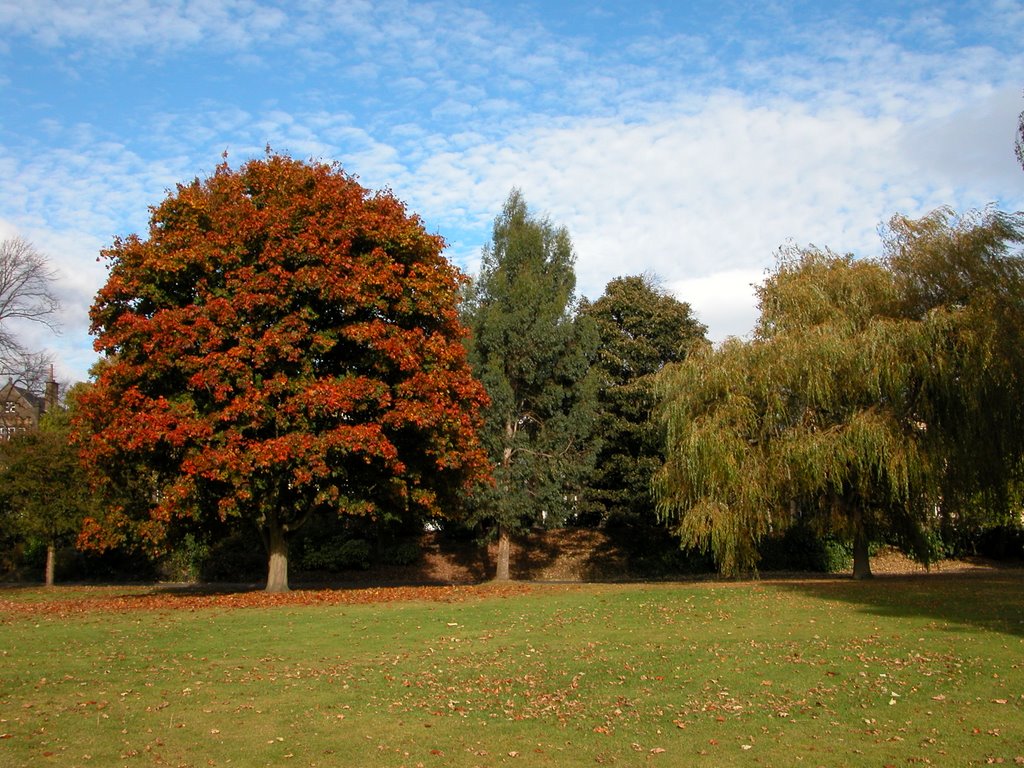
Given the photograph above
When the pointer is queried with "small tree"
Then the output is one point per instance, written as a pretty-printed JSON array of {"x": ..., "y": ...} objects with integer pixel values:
[
  {"x": 44, "y": 487},
  {"x": 533, "y": 356},
  {"x": 284, "y": 344}
]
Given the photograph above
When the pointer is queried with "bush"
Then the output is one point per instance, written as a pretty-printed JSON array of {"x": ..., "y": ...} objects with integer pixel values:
[
  {"x": 836, "y": 556},
  {"x": 238, "y": 556},
  {"x": 1002, "y": 542},
  {"x": 187, "y": 560},
  {"x": 401, "y": 553},
  {"x": 654, "y": 552},
  {"x": 112, "y": 565},
  {"x": 338, "y": 554},
  {"x": 800, "y": 548},
  {"x": 671, "y": 561}
]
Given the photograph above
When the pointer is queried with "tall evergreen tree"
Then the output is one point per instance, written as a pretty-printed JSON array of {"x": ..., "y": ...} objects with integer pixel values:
[
  {"x": 533, "y": 356},
  {"x": 641, "y": 328}
]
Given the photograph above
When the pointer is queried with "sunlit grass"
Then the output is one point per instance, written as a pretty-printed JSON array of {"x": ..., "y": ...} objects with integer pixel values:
[{"x": 893, "y": 672}]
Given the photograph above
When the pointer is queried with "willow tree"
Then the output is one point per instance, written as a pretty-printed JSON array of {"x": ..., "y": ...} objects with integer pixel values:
[
  {"x": 854, "y": 396},
  {"x": 533, "y": 355},
  {"x": 963, "y": 280}
]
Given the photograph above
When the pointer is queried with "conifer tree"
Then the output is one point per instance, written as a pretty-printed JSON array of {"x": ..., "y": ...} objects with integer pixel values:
[
  {"x": 533, "y": 356},
  {"x": 641, "y": 328}
]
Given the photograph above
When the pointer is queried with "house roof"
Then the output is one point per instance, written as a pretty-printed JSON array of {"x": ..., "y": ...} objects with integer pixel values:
[{"x": 11, "y": 391}]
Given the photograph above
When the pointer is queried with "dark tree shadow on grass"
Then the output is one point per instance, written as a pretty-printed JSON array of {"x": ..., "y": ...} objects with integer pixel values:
[{"x": 990, "y": 599}]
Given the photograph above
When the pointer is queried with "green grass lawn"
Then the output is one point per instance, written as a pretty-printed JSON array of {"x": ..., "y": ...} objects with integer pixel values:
[{"x": 898, "y": 671}]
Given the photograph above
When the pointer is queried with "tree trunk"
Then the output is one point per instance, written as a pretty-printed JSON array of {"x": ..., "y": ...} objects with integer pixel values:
[
  {"x": 51, "y": 564},
  {"x": 502, "y": 572},
  {"x": 861, "y": 557},
  {"x": 504, "y": 550},
  {"x": 277, "y": 562}
]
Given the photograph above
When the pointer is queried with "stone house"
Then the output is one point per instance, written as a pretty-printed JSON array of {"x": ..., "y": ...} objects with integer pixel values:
[{"x": 20, "y": 409}]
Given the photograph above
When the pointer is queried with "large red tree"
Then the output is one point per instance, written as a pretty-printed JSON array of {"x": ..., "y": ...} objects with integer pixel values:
[{"x": 285, "y": 343}]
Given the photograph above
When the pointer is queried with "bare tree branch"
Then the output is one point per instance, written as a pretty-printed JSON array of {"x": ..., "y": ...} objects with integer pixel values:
[
  {"x": 29, "y": 369},
  {"x": 26, "y": 293}
]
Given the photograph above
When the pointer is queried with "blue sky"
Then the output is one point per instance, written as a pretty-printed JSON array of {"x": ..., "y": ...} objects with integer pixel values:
[{"x": 685, "y": 139}]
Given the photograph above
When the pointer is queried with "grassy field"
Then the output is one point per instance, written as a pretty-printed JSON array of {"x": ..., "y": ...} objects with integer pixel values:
[{"x": 898, "y": 671}]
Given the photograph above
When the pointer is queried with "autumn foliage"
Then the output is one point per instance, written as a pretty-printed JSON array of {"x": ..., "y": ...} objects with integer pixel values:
[{"x": 285, "y": 343}]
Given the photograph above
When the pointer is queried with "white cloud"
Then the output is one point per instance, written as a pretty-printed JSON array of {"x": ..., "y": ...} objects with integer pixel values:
[
  {"x": 684, "y": 195},
  {"x": 974, "y": 141},
  {"x": 660, "y": 154},
  {"x": 724, "y": 301},
  {"x": 118, "y": 25}
]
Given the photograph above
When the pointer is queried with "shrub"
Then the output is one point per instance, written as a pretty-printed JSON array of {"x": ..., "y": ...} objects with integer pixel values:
[
  {"x": 338, "y": 554},
  {"x": 800, "y": 548},
  {"x": 836, "y": 556},
  {"x": 1002, "y": 542},
  {"x": 187, "y": 560},
  {"x": 401, "y": 553},
  {"x": 671, "y": 562},
  {"x": 238, "y": 556}
]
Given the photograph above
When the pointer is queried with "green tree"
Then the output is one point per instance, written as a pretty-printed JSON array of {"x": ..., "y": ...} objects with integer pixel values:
[
  {"x": 641, "y": 328},
  {"x": 857, "y": 398},
  {"x": 284, "y": 344},
  {"x": 44, "y": 488},
  {"x": 533, "y": 355},
  {"x": 962, "y": 279}
]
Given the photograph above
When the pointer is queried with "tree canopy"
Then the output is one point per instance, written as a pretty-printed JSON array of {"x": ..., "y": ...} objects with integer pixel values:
[
  {"x": 640, "y": 328},
  {"x": 533, "y": 356},
  {"x": 283, "y": 344},
  {"x": 874, "y": 395}
]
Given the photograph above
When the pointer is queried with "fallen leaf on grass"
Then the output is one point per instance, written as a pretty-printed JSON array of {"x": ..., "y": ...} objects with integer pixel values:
[{"x": 99, "y": 599}]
